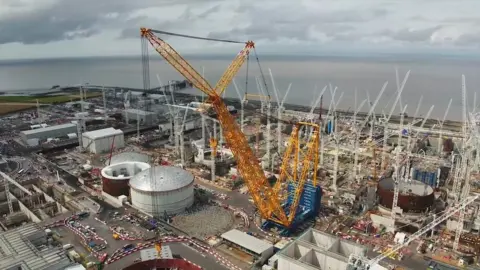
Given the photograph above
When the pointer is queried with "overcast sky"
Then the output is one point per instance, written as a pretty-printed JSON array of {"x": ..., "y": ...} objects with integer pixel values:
[{"x": 64, "y": 28}]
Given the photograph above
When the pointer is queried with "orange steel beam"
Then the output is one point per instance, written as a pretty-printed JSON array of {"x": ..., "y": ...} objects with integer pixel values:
[
  {"x": 310, "y": 162},
  {"x": 264, "y": 197}
]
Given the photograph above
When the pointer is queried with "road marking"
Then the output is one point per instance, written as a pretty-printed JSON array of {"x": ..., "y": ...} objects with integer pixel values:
[{"x": 201, "y": 253}]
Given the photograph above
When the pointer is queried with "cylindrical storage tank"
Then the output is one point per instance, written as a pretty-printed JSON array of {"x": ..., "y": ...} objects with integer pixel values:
[
  {"x": 413, "y": 196},
  {"x": 162, "y": 188},
  {"x": 448, "y": 145},
  {"x": 115, "y": 177},
  {"x": 128, "y": 157}
]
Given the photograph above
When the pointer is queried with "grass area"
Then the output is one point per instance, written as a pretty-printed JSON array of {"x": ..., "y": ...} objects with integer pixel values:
[
  {"x": 11, "y": 108},
  {"x": 12, "y": 104},
  {"x": 45, "y": 99}
]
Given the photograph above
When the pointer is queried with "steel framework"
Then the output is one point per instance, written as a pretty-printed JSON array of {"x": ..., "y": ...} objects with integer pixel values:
[{"x": 264, "y": 196}]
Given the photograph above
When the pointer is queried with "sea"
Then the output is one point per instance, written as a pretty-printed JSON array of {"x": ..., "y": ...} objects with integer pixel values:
[{"x": 437, "y": 79}]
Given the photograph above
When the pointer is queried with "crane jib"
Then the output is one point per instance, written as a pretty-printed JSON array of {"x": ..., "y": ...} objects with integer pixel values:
[{"x": 265, "y": 197}]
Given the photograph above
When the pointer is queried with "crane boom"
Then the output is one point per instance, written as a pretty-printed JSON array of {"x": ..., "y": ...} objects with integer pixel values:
[
  {"x": 174, "y": 59},
  {"x": 290, "y": 170},
  {"x": 233, "y": 69},
  {"x": 265, "y": 198}
]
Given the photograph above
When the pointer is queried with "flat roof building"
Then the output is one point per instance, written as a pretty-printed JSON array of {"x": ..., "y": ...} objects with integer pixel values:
[
  {"x": 152, "y": 254},
  {"x": 145, "y": 117},
  {"x": 100, "y": 141},
  {"x": 48, "y": 132},
  {"x": 26, "y": 248},
  {"x": 260, "y": 248},
  {"x": 318, "y": 250}
]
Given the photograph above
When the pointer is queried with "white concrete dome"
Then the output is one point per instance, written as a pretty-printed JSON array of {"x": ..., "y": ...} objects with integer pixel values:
[{"x": 162, "y": 188}]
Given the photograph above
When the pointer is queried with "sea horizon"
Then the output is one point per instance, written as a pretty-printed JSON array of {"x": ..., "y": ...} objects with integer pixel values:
[{"x": 436, "y": 78}]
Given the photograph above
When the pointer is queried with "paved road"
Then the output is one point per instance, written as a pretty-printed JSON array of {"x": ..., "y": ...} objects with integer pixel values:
[
  {"x": 203, "y": 260},
  {"x": 207, "y": 262},
  {"x": 235, "y": 198}
]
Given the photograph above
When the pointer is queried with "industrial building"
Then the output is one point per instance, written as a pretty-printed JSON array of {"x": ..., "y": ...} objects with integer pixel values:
[
  {"x": 101, "y": 141},
  {"x": 78, "y": 104},
  {"x": 115, "y": 177},
  {"x": 48, "y": 132},
  {"x": 145, "y": 117},
  {"x": 153, "y": 254},
  {"x": 318, "y": 250},
  {"x": 26, "y": 247},
  {"x": 127, "y": 157},
  {"x": 190, "y": 124},
  {"x": 261, "y": 249},
  {"x": 162, "y": 189}
]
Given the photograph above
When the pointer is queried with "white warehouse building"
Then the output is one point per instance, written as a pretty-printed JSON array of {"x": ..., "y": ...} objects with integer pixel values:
[
  {"x": 100, "y": 141},
  {"x": 48, "y": 132},
  {"x": 261, "y": 249}
]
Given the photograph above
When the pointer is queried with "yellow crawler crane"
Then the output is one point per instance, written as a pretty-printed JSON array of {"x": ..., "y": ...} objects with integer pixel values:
[{"x": 265, "y": 198}]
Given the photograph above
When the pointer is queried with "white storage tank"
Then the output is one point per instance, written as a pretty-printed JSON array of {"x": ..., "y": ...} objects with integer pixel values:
[{"x": 162, "y": 188}]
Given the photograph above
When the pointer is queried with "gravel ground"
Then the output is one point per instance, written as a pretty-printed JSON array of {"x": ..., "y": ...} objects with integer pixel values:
[{"x": 205, "y": 221}]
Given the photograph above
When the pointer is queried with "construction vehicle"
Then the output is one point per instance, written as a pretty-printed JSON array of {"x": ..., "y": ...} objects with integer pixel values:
[
  {"x": 158, "y": 248},
  {"x": 297, "y": 206}
]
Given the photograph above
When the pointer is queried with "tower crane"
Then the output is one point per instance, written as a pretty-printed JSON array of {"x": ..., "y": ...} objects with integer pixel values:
[
  {"x": 398, "y": 175},
  {"x": 387, "y": 119},
  {"x": 213, "y": 135},
  {"x": 264, "y": 196},
  {"x": 465, "y": 167}
]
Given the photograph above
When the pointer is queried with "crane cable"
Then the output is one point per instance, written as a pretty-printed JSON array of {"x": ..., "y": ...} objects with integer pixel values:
[
  {"x": 248, "y": 58},
  {"x": 196, "y": 37}
]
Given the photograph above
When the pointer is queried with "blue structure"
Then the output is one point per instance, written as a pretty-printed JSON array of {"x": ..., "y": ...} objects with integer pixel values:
[
  {"x": 426, "y": 177},
  {"x": 330, "y": 126},
  {"x": 308, "y": 207}
]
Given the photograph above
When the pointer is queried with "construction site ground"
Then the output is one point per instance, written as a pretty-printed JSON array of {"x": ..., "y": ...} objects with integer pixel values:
[{"x": 239, "y": 256}]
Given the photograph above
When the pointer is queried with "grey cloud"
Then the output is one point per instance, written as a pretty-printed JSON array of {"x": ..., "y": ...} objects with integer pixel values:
[
  {"x": 409, "y": 35},
  {"x": 469, "y": 39},
  {"x": 185, "y": 18},
  {"x": 134, "y": 24},
  {"x": 285, "y": 23},
  {"x": 70, "y": 19},
  {"x": 208, "y": 12}
]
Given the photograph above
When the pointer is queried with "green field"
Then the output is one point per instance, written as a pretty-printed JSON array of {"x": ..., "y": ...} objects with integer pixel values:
[{"x": 45, "y": 99}]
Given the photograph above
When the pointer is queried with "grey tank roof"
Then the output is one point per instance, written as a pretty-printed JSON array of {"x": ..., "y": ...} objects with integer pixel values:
[
  {"x": 128, "y": 157},
  {"x": 161, "y": 179}
]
